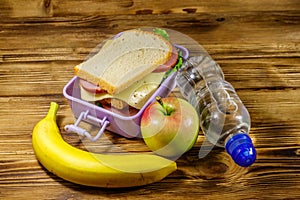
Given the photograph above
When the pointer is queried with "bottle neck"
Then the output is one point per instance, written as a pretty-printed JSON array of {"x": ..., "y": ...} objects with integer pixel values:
[{"x": 223, "y": 139}]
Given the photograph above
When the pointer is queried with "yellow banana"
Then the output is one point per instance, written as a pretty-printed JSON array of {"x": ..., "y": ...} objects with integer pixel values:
[{"x": 91, "y": 169}]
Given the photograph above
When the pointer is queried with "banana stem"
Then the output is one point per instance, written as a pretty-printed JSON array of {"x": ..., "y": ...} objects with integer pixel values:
[{"x": 52, "y": 111}]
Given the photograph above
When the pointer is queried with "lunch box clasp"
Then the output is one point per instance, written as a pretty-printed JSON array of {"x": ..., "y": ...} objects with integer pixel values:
[{"x": 82, "y": 132}]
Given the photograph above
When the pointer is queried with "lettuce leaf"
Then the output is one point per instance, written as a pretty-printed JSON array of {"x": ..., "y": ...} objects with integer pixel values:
[{"x": 162, "y": 33}]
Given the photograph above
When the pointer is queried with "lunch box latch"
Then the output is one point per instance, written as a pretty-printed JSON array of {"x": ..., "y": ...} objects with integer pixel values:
[{"x": 74, "y": 128}]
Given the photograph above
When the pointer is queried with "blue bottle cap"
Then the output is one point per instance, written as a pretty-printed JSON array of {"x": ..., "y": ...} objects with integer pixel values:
[{"x": 241, "y": 149}]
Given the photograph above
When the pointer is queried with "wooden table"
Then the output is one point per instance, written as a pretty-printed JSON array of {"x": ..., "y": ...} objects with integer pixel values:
[{"x": 257, "y": 44}]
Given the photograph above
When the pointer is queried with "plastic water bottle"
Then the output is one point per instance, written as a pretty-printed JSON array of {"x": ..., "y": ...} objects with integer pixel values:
[{"x": 224, "y": 119}]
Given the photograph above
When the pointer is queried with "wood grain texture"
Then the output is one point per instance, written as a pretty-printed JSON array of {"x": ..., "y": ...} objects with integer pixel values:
[{"x": 257, "y": 44}]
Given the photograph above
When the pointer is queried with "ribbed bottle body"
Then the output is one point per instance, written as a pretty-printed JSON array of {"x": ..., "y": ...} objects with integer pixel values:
[{"x": 221, "y": 112}]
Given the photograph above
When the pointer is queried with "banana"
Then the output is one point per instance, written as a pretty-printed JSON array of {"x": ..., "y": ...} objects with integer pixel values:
[{"x": 92, "y": 169}]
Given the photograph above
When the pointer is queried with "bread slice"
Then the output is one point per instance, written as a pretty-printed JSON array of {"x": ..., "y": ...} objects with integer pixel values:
[{"x": 125, "y": 60}]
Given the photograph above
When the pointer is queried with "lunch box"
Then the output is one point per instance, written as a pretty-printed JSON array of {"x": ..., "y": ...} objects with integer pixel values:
[{"x": 122, "y": 124}]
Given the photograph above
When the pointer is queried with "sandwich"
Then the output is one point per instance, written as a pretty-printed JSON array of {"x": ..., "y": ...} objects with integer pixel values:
[{"x": 128, "y": 69}]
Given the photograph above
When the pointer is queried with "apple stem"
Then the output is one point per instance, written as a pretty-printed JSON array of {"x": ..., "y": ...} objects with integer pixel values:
[
  {"x": 167, "y": 110},
  {"x": 158, "y": 99}
]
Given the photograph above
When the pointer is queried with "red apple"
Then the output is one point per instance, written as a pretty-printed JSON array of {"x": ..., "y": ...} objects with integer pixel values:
[{"x": 170, "y": 126}]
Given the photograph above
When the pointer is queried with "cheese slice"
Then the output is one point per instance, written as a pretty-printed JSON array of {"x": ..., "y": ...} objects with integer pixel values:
[{"x": 135, "y": 95}]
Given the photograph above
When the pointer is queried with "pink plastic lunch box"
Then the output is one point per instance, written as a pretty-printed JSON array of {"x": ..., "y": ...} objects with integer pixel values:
[{"x": 125, "y": 125}]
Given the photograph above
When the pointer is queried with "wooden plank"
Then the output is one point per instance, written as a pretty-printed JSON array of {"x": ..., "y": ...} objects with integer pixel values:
[
  {"x": 19, "y": 79},
  {"x": 277, "y": 29},
  {"x": 50, "y": 8},
  {"x": 67, "y": 38}
]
